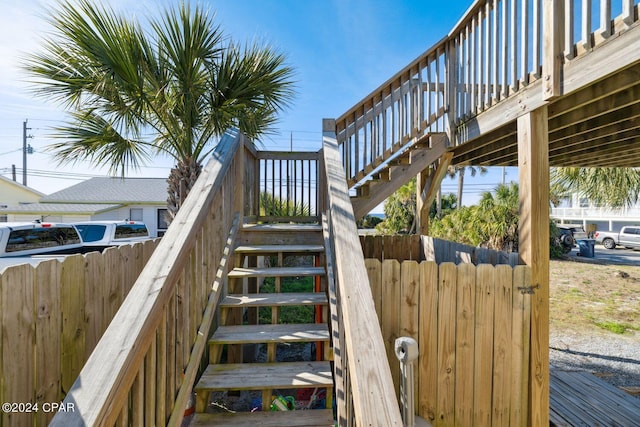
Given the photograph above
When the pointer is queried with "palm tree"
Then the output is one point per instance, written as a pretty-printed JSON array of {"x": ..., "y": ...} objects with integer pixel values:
[
  {"x": 612, "y": 187},
  {"x": 460, "y": 171},
  {"x": 174, "y": 90}
]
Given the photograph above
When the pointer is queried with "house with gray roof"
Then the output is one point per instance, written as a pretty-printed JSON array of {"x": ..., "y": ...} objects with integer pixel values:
[{"x": 104, "y": 198}]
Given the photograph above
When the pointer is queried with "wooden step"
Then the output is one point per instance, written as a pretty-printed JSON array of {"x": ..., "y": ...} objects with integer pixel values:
[
  {"x": 274, "y": 299},
  {"x": 260, "y": 376},
  {"x": 286, "y": 249},
  {"x": 241, "y": 272},
  {"x": 300, "y": 418},
  {"x": 253, "y": 334},
  {"x": 280, "y": 234},
  {"x": 282, "y": 228}
]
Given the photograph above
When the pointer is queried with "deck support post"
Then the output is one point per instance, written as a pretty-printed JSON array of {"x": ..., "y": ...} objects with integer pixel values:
[
  {"x": 427, "y": 185},
  {"x": 533, "y": 163}
]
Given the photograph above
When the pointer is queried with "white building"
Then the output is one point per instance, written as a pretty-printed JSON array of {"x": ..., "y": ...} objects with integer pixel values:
[
  {"x": 576, "y": 210},
  {"x": 136, "y": 199}
]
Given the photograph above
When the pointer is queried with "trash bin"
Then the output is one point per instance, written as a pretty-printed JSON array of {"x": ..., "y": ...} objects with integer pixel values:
[{"x": 586, "y": 247}]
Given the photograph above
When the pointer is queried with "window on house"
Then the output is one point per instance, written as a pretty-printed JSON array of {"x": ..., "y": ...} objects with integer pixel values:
[
  {"x": 135, "y": 214},
  {"x": 584, "y": 202}
]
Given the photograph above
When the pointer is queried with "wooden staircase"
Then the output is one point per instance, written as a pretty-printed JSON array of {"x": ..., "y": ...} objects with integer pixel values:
[
  {"x": 398, "y": 171},
  {"x": 295, "y": 253}
]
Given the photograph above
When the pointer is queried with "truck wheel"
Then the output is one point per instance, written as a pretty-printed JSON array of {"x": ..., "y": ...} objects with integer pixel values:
[{"x": 609, "y": 244}]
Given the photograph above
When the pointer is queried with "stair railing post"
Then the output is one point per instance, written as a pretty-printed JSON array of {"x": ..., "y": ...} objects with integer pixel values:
[{"x": 406, "y": 349}]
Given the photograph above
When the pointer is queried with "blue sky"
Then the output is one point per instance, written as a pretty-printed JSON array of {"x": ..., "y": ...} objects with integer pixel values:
[{"x": 341, "y": 50}]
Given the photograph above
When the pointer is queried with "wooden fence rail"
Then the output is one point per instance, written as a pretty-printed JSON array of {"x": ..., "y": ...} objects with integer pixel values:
[
  {"x": 421, "y": 248},
  {"x": 137, "y": 373},
  {"x": 472, "y": 325},
  {"x": 53, "y": 315},
  {"x": 364, "y": 395}
]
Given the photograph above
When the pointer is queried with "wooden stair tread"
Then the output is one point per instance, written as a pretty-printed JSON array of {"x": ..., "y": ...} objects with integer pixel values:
[
  {"x": 282, "y": 227},
  {"x": 240, "y": 272},
  {"x": 300, "y": 418},
  {"x": 274, "y": 299},
  {"x": 264, "y": 249},
  {"x": 259, "y": 376},
  {"x": 250, "y": 334}
]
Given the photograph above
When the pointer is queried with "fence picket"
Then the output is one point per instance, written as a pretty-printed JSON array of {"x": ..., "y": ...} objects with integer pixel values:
[
  {"x": 465, "y": 343},
  {"x": 94, "y": 296},
  {"x": 73, "y": 324},
  {"x": 48, "y": 326},
  {"x": 502, "y": 350},
  {"x": 520, "y": 346},
  {"x": 428, "y": 340},
  {"x": 390, "y": 314},
  {"x": 485, "y": 297},
  {"x": 52, "y": 316},
  {"x": 18, "y": 331},
  {"x": 409, "y": 314},
  {"x": 447, "y": 280}
]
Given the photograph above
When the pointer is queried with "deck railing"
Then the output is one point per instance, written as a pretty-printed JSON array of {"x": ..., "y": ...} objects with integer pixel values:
[
  {"x": 143, "y": 367},
  {"x": 287, "y": 183},
  {"x": 496, "y": 50},
  {"x": 365, "y": 395}
]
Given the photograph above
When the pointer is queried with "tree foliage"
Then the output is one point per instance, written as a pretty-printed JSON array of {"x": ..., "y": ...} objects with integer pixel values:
[
  {"x": 174, "y": 89},
  {"x": 400, "y": 211},
  {"x": 611, "y": 187}
]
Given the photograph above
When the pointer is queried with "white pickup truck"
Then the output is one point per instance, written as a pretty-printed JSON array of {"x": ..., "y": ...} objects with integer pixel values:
[
  {"x": 98, "y": 235},
  {"x": 629, "y": 237},
  {"x": 33, "y": 242}
]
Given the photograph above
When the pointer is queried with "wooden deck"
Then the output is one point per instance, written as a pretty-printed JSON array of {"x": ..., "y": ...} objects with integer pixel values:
[{"x": 582, "y": 399}]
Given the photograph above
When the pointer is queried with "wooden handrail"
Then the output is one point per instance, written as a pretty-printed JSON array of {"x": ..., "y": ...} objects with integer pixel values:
[
  {"x": 369, "y": 384},
  {"x": 496, "y": 50},
  {"x": 99, "y": 395}
]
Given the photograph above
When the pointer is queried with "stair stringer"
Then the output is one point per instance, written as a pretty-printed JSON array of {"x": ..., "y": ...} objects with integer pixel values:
[{"x": 419, "y": 160}]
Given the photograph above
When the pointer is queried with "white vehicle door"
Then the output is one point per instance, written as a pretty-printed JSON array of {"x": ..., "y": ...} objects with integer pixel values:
[{"x": 631, "y": 237}]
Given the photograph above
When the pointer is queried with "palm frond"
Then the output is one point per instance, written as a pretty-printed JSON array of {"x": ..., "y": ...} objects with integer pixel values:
[{"x": 91, "y": 137}]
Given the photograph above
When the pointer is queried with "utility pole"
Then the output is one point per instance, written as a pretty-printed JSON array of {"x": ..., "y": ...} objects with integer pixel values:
[{"x": 26, "y": 149}]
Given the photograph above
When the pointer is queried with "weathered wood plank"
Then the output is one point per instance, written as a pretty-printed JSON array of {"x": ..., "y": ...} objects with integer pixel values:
[
  {"x": 465, "y": 343},
  {"x": 313, "y": 418},
  {"x": 275, "y": 375},
  {"x": 391, "y": 315},
  {"x": 484, "y": 332},
  {"x": 248, "y": 334},
  {"x": 409, "y": 312},
  {"x": 73, "y": 318},
  {"x": 95, "y": 292},
  {"x": 369, "y": 374},
  {"x": 502, "y": 350},
  {"x": 533, "y": 230},
  {"x": 521, "y": 326},
  {"x": 18, "y": 333},
  {"x": 428, "y": 359},
  {"x": 47, "y": 334},
  {"x": 374, "y": 273},
  {"x": 447, "y": 287}
]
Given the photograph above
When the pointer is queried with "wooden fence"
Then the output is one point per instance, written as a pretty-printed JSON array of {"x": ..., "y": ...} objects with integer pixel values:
[
  {"x": 421, "y": 248},
  {"x": 472, "y": 325},
  {"x": 52, "y": 316}
]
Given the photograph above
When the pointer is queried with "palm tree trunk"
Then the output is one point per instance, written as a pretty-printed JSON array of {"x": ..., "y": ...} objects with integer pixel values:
[{"x": 181, "y": 180}]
